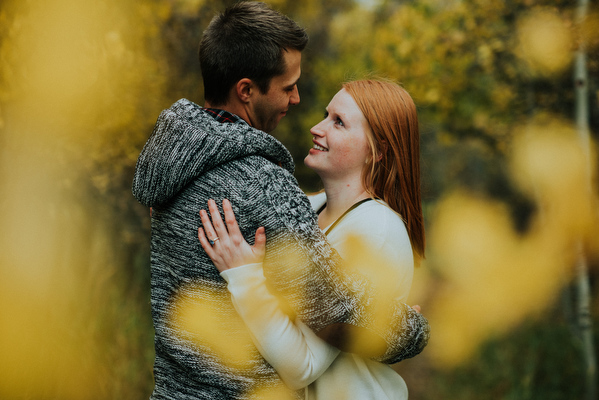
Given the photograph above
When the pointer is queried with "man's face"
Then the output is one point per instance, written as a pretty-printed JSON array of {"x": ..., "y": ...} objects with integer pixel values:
[{"x": 267, "y": 109}]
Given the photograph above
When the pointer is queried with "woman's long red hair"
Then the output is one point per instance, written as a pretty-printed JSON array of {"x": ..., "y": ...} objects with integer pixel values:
[{"x": 393, "y": 172}]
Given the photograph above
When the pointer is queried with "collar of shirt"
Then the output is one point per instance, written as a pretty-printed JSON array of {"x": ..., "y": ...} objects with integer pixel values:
[{"x": 222, "y": 116}]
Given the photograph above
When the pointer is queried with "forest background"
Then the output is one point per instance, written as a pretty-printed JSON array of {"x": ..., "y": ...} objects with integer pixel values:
[{"x": 508, "y": 98}]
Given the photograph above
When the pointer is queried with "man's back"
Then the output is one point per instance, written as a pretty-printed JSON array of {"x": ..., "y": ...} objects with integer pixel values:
[
  {"x": 199, "y": 335},
  {"x": 192, "y": 162}
]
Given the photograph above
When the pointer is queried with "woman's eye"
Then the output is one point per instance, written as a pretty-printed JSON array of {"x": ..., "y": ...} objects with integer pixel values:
[{"x": 338, "y": 120}]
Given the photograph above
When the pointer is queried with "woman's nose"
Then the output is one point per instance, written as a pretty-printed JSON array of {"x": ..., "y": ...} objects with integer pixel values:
[{"x": 317, "y": 130}]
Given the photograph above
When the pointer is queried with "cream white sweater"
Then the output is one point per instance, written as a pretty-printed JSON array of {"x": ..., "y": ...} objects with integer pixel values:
[{"x": 297, "y": 354}]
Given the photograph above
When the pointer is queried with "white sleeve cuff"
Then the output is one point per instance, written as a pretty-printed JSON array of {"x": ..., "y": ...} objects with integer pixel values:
[{"x": 238, "y": 274}]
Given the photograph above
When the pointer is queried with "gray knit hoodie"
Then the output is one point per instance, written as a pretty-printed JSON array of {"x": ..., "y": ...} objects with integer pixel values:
[{"x": 190, "y": 158}]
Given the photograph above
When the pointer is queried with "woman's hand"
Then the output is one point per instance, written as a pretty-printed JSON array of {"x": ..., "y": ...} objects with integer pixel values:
[{"x": 224, "y": 243}]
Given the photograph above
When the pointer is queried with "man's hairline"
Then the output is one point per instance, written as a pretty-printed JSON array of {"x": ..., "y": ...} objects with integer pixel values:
[{"x": 287, "y": 49}]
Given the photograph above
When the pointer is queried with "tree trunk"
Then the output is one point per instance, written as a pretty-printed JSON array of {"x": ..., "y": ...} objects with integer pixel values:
[{"x": 585, "y": 322}]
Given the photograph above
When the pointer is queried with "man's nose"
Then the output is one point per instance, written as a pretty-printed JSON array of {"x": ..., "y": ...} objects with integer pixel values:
[{"x": 295, "y": 97}]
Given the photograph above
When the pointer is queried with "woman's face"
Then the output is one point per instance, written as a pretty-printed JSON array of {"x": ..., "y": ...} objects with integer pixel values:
[{"x": 340, "y": 147}]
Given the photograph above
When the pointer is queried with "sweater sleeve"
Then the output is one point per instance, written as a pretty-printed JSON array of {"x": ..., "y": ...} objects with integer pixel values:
[
  {"x": 294, "y": 351},
  {"x": 305, "y": 271}
]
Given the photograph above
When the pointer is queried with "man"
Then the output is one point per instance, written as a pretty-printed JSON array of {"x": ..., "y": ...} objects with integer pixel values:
[{"x": 250, "y": 58}]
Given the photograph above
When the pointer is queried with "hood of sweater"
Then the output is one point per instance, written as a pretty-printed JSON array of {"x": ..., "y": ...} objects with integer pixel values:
[{"x": 187, "y": 142}]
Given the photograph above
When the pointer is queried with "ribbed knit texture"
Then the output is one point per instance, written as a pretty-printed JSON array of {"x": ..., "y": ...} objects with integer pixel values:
[{"x": 191, "y": 158}]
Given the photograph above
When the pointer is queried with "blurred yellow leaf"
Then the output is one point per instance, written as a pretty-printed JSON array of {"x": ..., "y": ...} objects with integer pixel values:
[
  {"x": 544, "y": 41},
  {"x": 493, "y": 278},
  {"x": 211, "y": 321}
]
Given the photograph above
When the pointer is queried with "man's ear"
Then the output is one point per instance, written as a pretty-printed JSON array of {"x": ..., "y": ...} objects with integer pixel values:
[{"x": 244, "y": 89}]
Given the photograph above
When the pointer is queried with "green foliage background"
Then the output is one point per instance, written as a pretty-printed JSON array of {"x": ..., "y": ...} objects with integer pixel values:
[{"x": 75, "y": 117}]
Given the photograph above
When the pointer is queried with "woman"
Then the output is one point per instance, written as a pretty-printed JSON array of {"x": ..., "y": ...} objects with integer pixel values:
[{"x": 366, "y": 152}]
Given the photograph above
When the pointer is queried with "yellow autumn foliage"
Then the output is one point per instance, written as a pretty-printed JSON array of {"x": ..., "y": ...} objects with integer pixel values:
[
  {"x": 211, "y": 322},
  {"x": 544, "y": 41},
  {"x": 494, "y": 277}
]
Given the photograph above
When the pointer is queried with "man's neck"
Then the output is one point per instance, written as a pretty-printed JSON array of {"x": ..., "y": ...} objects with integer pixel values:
[{"x": 232, "y": 108}]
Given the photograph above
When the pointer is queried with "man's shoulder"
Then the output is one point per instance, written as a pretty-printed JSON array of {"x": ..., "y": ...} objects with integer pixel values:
[
  {"x": 254, "y": 175},
  {"x": 257, "y": 166}
]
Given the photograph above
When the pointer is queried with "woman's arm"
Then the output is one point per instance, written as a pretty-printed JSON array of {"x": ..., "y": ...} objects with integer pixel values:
[
  {"x": 296, "y": 353},
  {"x": 309, "y": 275}
]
